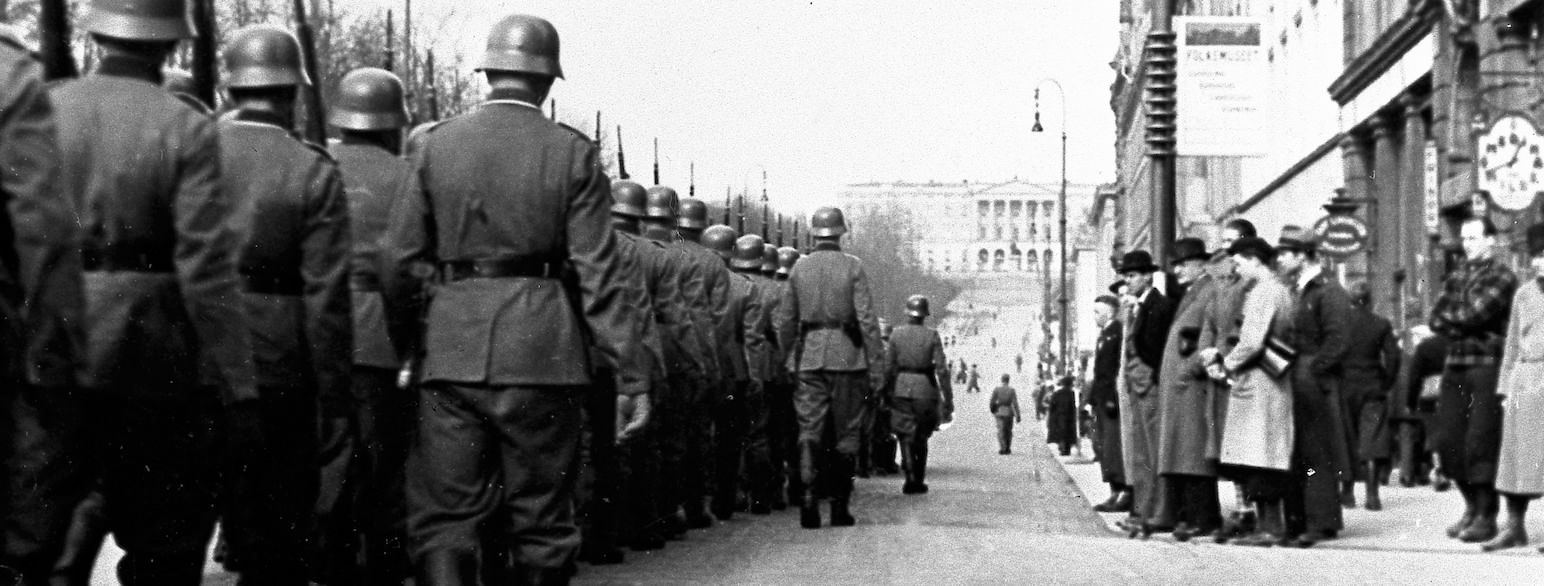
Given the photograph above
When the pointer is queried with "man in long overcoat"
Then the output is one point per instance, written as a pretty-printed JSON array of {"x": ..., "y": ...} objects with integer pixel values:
[{"x": 1185, "y": 402}]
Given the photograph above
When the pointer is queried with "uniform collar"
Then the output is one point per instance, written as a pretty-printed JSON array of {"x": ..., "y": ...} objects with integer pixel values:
[
  {"x": 260, "y": 117},
  {"x": 837, "y": 246},
  {"x": 129, "y": 67},
  {"x": 507, "y": 97}
]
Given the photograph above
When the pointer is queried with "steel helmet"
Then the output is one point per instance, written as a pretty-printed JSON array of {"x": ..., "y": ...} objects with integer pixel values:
[
  {"x": 139, "y": 20},
  {"x": 786, "y": 257},
  {"x": 916, "y": 306},
  {"x": 522, "y": 43},
  {"x": 628, "y": 199},
  {"x": 662, "y": 204},
  {"x": 721, "y": 240},
  {"x": 264, "y": 55},
  {"x": 768, "y": 258},
  {"x": 693, "y": 214},
  {"x": 749, "y": 252},
  {"x": 827, "y": 222},
  {"x": 369, "y": 99}
]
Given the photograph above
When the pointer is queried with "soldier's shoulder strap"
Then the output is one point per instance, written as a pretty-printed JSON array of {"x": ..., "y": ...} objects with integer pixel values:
[{"x": 320, "y": 150}]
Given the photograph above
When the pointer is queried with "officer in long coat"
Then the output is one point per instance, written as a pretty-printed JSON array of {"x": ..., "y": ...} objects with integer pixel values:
[
  {"x": 1185, "y": 403},
  {"x": 714, "y": 321},
  {"x": 923, "y": 396},
  {"x": 514, "y": 215},
  {"x": 295, "y": 272},
  {"x": 42, "y": 344},
  {"x": 167, "y": 340},
  {"x": 827, "y": 321},
  {"x": 364, "y": 441}
]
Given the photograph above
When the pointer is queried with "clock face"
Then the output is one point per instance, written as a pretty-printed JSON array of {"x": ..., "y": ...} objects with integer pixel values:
[{"x": 1511, "y": 162}]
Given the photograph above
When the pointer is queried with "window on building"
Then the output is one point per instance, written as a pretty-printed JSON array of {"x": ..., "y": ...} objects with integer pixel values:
[
  {"x": 1015, "y": 233},
  {"x": 1014, "y": 208}
]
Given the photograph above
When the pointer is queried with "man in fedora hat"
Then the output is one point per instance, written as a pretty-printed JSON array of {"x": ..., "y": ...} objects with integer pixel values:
[
  {"x": 1148, "y": 313},
  {"x": 1313, "y": 502},
  {"x": 1189, "y": 478}
]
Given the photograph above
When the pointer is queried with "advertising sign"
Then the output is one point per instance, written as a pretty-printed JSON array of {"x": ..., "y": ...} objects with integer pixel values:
[
  {"x": 1341, "y": 235},
  {"x": 1220, "y": 86}
]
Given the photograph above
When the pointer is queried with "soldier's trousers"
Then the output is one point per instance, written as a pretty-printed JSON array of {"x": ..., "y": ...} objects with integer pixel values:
[
  {"x": 830, "y": 406},
  {"x": 160, "y": 475},
  {"x": 361, "y": 507},
  {"x": 670, "y": 435},
  {"x": 492, "y": 474},
  {"x": 783, "y": 437},
  {"x": 697, "y": 459},
  {"x": 270, "y": 509},
  {"x": 601, "y": 478},
  {"x": 730, "y": 419},
  {"x": 47, "y": 474},
  {"x": 638, "y": 466},
  {"x": 758, "y": 447}
]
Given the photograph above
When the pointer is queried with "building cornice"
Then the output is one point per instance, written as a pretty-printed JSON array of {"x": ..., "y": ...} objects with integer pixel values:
[
  {"x": 1292, "y": 172},
  {"x": 1384, "y": 52}
]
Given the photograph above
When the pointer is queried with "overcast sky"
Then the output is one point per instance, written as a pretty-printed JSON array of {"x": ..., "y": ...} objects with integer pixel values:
[{"x": 825, "y": 93}]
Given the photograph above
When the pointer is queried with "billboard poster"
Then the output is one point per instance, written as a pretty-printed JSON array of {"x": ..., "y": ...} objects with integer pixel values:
[{"x": 1220, "y": 86}]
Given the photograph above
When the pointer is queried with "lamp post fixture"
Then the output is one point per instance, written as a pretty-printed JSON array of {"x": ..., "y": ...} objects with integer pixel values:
[{"x": 1061, "y": 204}]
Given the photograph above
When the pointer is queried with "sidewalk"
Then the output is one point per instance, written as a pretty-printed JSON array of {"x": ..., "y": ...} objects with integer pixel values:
[{"x": 1412, "y": 519}]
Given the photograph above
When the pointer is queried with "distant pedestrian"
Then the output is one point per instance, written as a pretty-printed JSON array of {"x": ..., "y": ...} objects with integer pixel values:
[
  {"x": 973, "y": 381},
  {"x": 1018, "y": 363},
  {"x": 1005, "y": 407},
  {"x": 1061, "y": 417}
]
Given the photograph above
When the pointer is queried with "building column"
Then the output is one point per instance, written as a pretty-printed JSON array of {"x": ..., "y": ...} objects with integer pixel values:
[
  {"x": 1358, "y": 188},
  {"x": 1412, "y": 233},
  {"x": 1386, "y": 208}
]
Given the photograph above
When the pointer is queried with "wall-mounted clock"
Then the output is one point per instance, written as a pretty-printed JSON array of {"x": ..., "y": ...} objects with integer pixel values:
[{"x": 1511, "y": 164}]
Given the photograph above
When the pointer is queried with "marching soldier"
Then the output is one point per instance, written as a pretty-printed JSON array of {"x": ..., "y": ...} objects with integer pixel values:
[
  {"x": 923, "y": 395},
  {"x": 783, "y": 423},
  {"x": 827, "y": 320},
  {"x": 639, "y": 446},
  {"x": 167, "y": 344},
  {"x": 881, "y": 438},
  {"x": 514, "y": 215},
  {"x": 743, "y": 325},
  {"x": 42, "y": 346},
  {"x": 687, "y": 375},
  {"x": 777, "y": 448},
  {"x": 365, "y": 435},
  {"x": 748, "y": 263},
  {"x": 768, "y": 260},
  {"x": 295, "y": 271},
  {"x": 602, "y": 482},
  {"x": 692, "y": 219}
]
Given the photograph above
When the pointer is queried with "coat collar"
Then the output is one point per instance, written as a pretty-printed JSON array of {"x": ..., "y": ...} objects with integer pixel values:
[{"x": 131, "y": 68}]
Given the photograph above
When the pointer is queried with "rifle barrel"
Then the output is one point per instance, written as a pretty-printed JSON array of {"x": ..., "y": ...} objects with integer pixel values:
[
  {"x": 621, "y": 158},
  {"x": 204, "y": 66},
  {"x": 316, "y": 131},
  {"x": 54, "y": 40}
]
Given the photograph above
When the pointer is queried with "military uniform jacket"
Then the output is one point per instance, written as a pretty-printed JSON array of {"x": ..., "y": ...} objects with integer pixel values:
[
  {"x": 503, "y": 182},
  {"x": 696, "y": 302},
  {"x": 829, "y": 287},
  {"x": 296, "y": 258},
  {"x": 373, "y": 180},
  {"x": 771, "y": 294},
  {"x": 748, "y": 325},
  {"x": 716, "y": 323},
  {"x": 641, "y": 280},
  {"x": 683, "y": 346},
  {"x": 158, "y": 243},
  {"x": 918, "y": 369},
  {"x": 41, "y": 292}
]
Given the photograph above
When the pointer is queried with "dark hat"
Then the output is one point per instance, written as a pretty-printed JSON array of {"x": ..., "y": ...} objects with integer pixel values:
[
  {"x": 1255, "y": 247},
  {"x": 1190, "y": 249},
  {"x": 1295, "y": 239},
  {"x": 1535, "y": 239},
  {"x": 1137, "y": 261},
  {"x": 1115, "y": 287}
]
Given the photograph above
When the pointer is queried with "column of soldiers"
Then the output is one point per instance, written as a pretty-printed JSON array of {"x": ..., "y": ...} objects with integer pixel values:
[{"x": 391, "y": 359}]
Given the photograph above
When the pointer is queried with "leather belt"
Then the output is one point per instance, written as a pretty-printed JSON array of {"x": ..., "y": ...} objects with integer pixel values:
[
  {"x": 364, "y": 282},
  {"x": 139, "y": 262},
  {"x": 290, "y": 285},
  {"x": 500, "y": 268},
  {"x": 921, "y": 371}
]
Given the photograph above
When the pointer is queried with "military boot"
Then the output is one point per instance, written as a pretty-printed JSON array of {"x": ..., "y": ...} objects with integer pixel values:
[
  {"x": 909, "y": 469},
  {"x": 840, "y": 515},
  {"x": 809, "y": 510},
  {"x": 919, "y": 459},
  {"x": 1483, "y": 528},
  {"x": 1373, "y": 502}
]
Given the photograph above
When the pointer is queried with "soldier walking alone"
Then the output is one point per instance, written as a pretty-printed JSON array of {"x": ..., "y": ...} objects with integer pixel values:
[
  {"x": 514, "y": 215},
  {"x": 827, "y": 321},
  {"x": 923, "y": 396}
]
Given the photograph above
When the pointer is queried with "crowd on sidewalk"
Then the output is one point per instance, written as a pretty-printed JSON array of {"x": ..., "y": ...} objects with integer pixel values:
[{"x": 1254, "y": 364}]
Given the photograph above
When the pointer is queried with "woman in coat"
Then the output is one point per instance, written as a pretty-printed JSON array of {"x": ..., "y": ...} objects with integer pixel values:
[
  {"x": 1256, "y": 448},
  {"x": 1520, "y": 467}
]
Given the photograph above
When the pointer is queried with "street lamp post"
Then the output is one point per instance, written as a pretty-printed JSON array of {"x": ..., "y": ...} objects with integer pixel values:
[
  {"x": 1061, "y": 204},
  {"x": 1063, "y": 344}
]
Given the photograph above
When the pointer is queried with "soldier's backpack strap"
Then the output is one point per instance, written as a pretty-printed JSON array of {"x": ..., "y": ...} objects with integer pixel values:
[{"x": 320, "y": 150}]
